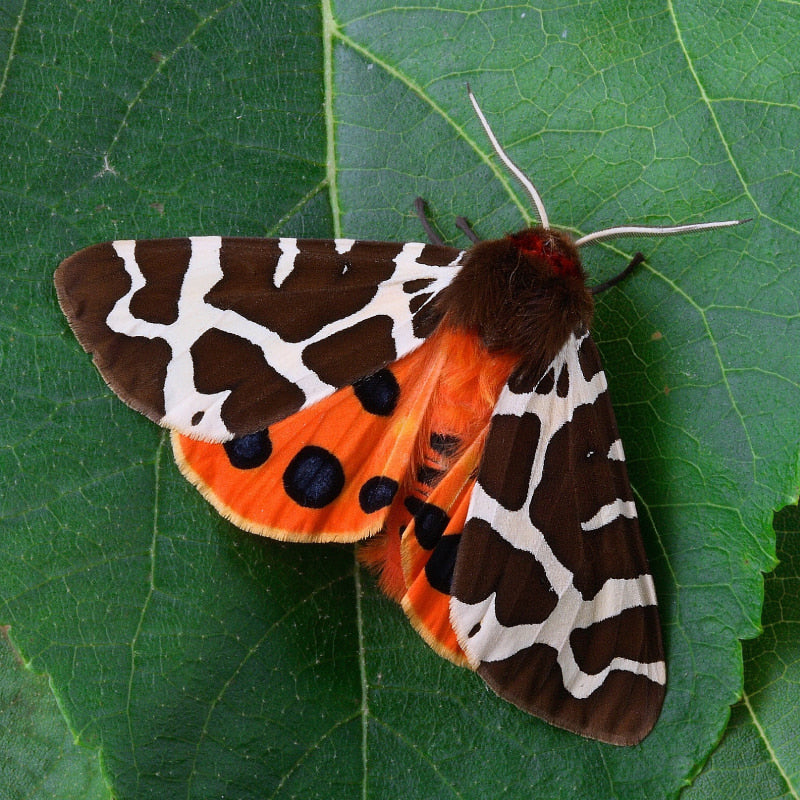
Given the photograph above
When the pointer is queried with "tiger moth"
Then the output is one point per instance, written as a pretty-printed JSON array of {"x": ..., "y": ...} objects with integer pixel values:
[{"x": 445, "y": 408}]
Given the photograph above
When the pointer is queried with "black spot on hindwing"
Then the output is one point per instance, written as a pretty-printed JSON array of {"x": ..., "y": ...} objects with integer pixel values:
[
  {"x": 378, "y": 393},
  {"x": 377, "y": 493},
  {"x": 249, "y": 451},
  {"x": 439, "y": 567},
  {"x": 430, "y": 522},
  {"x": 314, "y": 477}
]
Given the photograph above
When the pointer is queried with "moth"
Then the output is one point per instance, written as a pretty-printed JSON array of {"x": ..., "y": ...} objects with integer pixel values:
[{"x": 445, "y": 408}]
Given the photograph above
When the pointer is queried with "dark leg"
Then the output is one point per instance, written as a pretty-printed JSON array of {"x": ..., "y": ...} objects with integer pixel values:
[
  {"x": 601, "y": 287},
  {"x": 419, "y": 207},
  {"x": 463, "y": 225}
]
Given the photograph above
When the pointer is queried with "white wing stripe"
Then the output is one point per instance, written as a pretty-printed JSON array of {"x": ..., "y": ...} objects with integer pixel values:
[
  {"x": 615, "y": 452},
  {"x": 283, "y": 269},
  {"x": 496, "y": 642},
  {"x": 195, "y": 317},
  {"x": 610, "y": 512}
]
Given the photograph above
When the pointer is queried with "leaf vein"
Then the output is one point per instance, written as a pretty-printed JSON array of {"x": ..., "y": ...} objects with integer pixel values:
[{"x": 12, "y": 47}]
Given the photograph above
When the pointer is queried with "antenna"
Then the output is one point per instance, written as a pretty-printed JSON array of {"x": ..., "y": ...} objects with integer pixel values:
[
  {"x": 606, "y": 233},
  {"x": 653, "y": 230},
  {"x": 513, "y": 168}
]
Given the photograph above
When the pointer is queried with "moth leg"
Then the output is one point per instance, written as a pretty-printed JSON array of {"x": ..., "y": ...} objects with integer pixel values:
[
  {"x": 463, "y": 225},
  {"x": 601, "y": 287},
  {"x": 419, "y": 207}
]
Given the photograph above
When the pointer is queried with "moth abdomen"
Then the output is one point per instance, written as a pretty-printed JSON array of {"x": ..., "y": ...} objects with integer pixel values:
[{"x": 523, "y": 294}]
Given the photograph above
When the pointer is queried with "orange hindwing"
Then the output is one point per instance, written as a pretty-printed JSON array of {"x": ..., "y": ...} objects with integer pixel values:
[{"x": 396, "y": 454}]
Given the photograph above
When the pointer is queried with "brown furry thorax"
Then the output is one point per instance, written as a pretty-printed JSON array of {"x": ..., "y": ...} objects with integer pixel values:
[{"x": 522, "y": 294}]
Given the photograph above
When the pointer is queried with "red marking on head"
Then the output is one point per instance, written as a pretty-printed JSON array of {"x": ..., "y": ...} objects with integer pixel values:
[{"x": 542, "y": 244}]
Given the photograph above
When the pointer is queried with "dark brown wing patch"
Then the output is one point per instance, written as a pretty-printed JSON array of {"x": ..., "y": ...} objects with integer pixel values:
[
  {"x": 217, "y": 338},
  {"x": 552, "y": 600}
]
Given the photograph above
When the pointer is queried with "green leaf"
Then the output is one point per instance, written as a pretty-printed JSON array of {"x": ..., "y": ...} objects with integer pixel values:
[
  {"x": 40, "y": 759},
  {"x": 205, "y": 662},
  {"x": 760, "y": 754}
]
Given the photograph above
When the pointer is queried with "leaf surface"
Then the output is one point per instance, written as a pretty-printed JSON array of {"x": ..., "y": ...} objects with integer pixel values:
[
  {"x": 40, "y": 759},
  {"x": 204, "y": 662},
  {"x": 760, "y": 754}
]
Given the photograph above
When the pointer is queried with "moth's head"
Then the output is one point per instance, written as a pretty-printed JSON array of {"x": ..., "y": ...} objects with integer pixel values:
[
  {"x": 522, "y": 294},
  {"x": 549, "y": 250}
]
